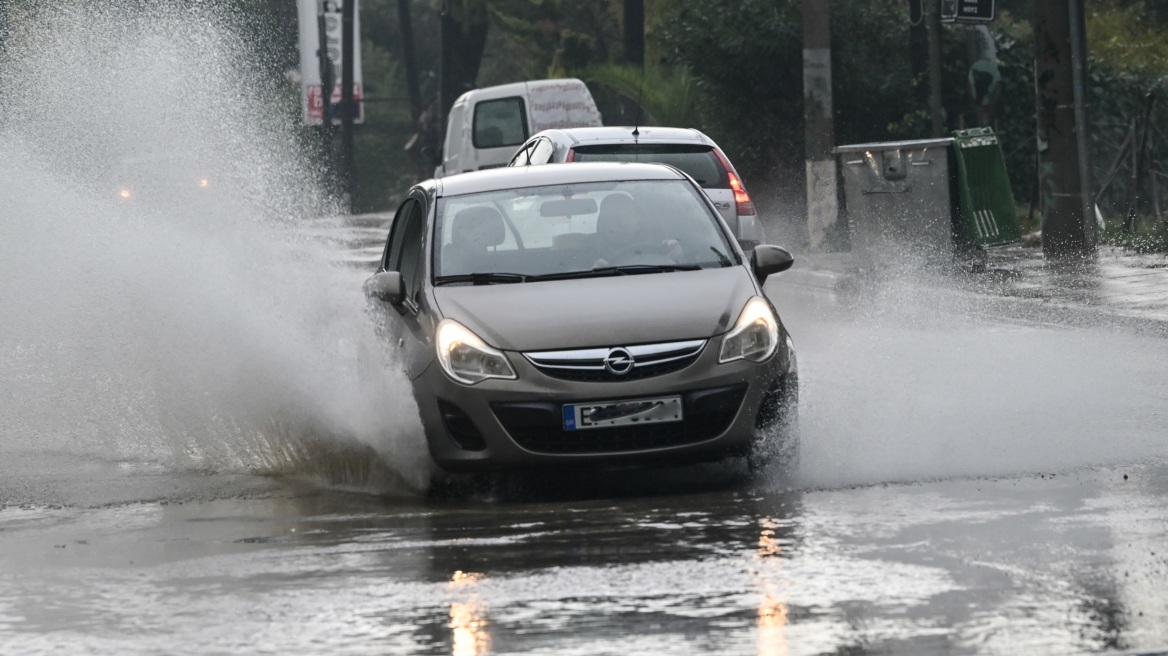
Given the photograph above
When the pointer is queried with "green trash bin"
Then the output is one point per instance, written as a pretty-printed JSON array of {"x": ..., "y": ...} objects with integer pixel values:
[{"x": 985, "y": 203}]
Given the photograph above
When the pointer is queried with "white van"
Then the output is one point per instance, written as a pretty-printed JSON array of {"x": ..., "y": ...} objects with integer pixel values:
[{"x": 485, "y": 126}]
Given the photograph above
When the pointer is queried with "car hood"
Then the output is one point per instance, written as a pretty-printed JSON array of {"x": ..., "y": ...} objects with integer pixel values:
[{"x": 588, "y": 312}]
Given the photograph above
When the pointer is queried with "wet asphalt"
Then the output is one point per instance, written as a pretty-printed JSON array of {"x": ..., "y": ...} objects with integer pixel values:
[{"x": 934, "y": 513}]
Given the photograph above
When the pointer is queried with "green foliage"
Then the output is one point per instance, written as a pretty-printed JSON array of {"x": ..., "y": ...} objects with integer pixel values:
[
  {"x": 384, "y": 169},
  {"x": 666, "y": 97}
]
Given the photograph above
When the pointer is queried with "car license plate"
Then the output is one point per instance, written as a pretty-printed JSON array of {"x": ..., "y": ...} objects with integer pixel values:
[{"x": 603, "y": 414}]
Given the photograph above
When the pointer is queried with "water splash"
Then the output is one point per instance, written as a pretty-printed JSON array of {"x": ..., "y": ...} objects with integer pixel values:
[{"x": 187, "y": 325}]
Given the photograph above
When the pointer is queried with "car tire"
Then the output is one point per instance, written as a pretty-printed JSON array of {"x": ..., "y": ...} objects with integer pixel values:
[{"x": 776, "y": 439}]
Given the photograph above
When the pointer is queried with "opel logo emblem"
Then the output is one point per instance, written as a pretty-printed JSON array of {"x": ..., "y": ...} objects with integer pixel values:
[{"x": 618, "y": 361}]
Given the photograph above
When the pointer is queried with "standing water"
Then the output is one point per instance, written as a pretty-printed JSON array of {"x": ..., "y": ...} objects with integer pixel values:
[{"x": 157, "y": 310}]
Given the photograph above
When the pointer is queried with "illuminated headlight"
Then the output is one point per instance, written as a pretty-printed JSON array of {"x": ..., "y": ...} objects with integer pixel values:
[
  {"x": 755, "y": 335},
  {"x": 466, "y": 358}
]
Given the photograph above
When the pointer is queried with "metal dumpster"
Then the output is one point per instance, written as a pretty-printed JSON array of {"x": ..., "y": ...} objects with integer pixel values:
[
  {"x": 898, "y": 196},
  {"x": 929, "y": 197}
]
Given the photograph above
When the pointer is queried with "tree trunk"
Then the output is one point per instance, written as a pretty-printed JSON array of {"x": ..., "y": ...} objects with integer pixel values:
[
  {"x": 464, "y": 37},
  {"x": 634, "y": 24}
]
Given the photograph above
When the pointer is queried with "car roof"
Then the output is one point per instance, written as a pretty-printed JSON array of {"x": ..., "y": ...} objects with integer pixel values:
[
  {"x": 625, "y": 134},
  {"x": 517, "y": 177}
]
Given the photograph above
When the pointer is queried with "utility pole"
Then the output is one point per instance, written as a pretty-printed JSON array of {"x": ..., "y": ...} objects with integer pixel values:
[
  {"x": 327, "y": 81},
  {"x": 348, "y": 105},
  {"x": 1060, "y": 73},
  {"x": 818, "y": 125}
]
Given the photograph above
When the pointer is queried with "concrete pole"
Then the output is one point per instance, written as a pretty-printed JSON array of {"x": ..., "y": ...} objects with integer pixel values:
[
  {"x": 819, "y": 126},
  {"x": 1067, "y": 230}
]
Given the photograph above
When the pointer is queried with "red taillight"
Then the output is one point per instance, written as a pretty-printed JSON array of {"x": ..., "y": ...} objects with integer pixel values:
[
  {"x": 741, "y": 198},
  {"x": 571, "y": 155}
]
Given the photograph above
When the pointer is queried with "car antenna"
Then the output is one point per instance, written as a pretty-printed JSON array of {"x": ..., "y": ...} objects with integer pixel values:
[{"x": 640, "y": 97}]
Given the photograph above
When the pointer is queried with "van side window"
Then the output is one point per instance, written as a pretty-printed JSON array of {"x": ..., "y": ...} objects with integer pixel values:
[{"x": 499, "y": 123}]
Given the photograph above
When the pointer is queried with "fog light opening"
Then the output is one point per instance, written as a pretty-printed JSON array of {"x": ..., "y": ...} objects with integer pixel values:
[{"x": 460, "y": 428}]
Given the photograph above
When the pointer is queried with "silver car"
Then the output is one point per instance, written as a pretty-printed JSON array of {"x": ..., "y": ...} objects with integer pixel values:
[
  {"x": 688, "y": 149},
  {"x": 583, "y": 314}
]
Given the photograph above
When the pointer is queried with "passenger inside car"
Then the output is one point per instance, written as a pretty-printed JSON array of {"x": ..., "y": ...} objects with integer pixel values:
[
  {"x": 474, "y": 231},
  {"x": 626, "y": 235}
]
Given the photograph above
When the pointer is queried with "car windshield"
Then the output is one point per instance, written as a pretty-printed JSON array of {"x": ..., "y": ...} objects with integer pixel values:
[
  {"x": 578, "y": 230},
  {"x": 699, "y": 162}
]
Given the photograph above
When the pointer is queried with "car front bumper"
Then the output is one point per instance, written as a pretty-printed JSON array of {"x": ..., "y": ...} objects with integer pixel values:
[{"x": 510, "y": 424}]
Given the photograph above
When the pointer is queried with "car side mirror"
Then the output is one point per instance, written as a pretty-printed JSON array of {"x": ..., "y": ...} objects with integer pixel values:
[
  {"x": 386, "y": 287},
  {"x": 766, "y": 259}
]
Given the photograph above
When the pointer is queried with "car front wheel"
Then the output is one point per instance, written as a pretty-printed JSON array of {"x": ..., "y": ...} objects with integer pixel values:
[{"x": 776, "y": 427}]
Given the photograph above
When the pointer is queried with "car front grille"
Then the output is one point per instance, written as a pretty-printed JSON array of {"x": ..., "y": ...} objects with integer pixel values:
[
  {"x": 588, "y": 365},
  {"x": 538, "y": 426}
]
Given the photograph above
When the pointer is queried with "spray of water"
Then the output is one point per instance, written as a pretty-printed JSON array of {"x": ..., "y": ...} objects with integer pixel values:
[
  {"x": 155, "y": 301},
  {"x": 907, "y": 375}
]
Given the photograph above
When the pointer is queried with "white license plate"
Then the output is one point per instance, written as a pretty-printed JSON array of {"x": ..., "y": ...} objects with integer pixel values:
[{"x": 603, "y": 414}]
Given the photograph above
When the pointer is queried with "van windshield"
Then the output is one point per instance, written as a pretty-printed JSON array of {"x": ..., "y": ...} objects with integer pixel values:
[
  {"x": 699, "y": 162},
  {"x": 578, "y": 230}
]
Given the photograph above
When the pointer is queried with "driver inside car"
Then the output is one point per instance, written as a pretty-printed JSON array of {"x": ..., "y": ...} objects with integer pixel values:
[{"x": 625, "y": 235}]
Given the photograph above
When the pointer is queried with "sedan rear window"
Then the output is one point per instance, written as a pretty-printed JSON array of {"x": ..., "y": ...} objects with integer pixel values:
[{"x": 699, "y": 162}]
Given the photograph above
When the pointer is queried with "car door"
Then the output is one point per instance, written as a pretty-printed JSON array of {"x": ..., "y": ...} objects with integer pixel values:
[{"x": 411, "y": 325}]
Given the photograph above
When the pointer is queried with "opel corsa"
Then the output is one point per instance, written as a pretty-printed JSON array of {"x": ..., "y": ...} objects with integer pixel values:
[{"x": 584, "y": 314}]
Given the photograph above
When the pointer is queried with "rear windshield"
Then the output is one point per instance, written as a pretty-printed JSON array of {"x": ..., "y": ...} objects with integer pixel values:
[{"x": 699, "y": 162}]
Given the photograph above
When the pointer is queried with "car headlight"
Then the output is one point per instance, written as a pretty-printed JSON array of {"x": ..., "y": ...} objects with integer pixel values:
[
  {"x": 466, "y": 358},
  {"x": 755, "y": 335}
]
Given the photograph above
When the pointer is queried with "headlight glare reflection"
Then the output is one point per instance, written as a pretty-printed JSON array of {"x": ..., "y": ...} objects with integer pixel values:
[
  {"x": 755, "y": 335},
  {"x": 468, "y": 359}
]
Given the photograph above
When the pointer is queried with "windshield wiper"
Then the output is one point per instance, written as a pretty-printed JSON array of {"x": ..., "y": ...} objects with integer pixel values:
[
  {"x": 626, "y": 270},
  {"x": 481, "y": 278}
]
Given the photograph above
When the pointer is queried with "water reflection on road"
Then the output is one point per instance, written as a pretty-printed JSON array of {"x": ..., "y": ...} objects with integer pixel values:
[{"x": 1039, "y": 564}]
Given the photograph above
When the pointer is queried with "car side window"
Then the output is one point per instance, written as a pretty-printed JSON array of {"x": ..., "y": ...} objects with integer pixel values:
[
  {"x": 410, "y": 260},
  {"x": 403, "y": 250},
  {"x": 543, "y": 151},
  {"x": 391, "y": 257},
  {"x": 523, "y": 157}
]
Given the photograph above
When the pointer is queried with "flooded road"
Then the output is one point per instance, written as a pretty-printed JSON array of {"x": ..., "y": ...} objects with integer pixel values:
[
  {"x": 908, "y": 529},
  {"x": 681, "y": 562}
]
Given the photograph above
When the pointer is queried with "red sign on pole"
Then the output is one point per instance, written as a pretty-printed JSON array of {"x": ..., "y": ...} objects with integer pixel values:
[{"x": 316, "y": 106}]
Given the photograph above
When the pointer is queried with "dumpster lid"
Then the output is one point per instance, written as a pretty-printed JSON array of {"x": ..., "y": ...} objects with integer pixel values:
[{"x": 893, "y": 145}]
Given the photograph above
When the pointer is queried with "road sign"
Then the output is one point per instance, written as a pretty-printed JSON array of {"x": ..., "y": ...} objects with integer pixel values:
[
  {"x": 310, "y": 13},
  {"x": 967, "y": 11}
]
